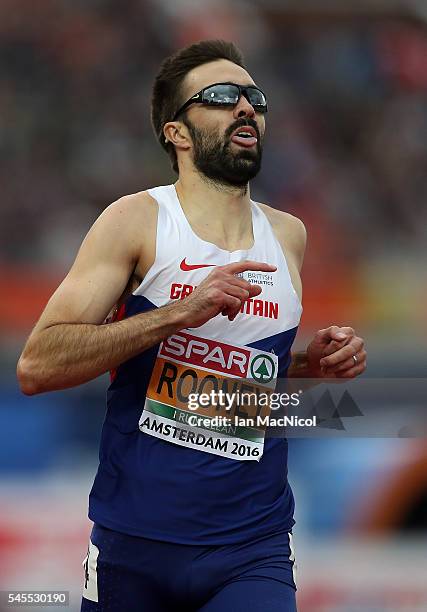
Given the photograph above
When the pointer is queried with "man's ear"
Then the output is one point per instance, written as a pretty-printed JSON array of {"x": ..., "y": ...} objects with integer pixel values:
[{"x": 177, "y": 133}]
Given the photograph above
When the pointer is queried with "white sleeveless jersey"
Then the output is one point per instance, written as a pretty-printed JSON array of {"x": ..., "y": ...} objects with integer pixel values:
[{"x": 183, "y": 260}]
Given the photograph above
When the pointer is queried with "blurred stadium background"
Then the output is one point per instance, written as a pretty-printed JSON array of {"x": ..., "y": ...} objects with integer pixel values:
[{"x": 346, "y": 150}]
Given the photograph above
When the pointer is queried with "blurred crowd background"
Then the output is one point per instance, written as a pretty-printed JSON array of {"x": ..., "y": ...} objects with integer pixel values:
[{"x": 346, "y": 150}]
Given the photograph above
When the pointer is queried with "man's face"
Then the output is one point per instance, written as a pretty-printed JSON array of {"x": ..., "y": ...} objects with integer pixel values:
[{"x": 217, "y": 153}]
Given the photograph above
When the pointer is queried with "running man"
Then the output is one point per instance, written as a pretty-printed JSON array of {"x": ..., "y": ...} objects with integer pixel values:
[{"x": 207, "y": 292}]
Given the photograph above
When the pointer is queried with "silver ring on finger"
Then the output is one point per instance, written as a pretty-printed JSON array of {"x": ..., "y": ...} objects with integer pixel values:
[{"x": 355, "y": 359}]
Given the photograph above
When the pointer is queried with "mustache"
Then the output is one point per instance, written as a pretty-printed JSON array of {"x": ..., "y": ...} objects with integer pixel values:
[{"x": 243, "y": 123}]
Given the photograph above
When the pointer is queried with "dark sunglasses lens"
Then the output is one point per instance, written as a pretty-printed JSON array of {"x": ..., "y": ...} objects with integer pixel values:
[
  {"x": 257, "y": 98},
  {"x": 221, "y": 94}
]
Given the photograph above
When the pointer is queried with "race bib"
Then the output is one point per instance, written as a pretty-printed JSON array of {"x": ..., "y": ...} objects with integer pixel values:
[{"x": 210, "y": 396}]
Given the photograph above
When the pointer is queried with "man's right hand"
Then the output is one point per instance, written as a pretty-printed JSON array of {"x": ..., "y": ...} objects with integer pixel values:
[{"x": 221, "y": 292}]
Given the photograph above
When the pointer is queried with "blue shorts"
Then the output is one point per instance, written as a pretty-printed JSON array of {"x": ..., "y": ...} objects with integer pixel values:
[{"x": 133, "y": 574}]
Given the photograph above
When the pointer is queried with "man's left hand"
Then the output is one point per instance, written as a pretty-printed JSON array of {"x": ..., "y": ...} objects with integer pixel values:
[{"x": 336, "y": 352}]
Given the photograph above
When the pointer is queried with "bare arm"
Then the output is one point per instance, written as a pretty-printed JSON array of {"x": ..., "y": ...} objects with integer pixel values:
[
  {"x": 69, "y": 345},
  {"x": 65, "y": 355},
  {"x": 293, "y": 238},
  {"x": 330, "y": 353}
]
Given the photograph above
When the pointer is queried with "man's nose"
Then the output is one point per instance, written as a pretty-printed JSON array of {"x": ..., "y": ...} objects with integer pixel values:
[{"x": 243, "y": 108}]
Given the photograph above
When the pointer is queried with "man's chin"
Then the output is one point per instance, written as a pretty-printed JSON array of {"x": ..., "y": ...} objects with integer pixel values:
[
  {"x": 236, "y": 168},
  {"x": 241, "y": 176},
  {"x": 248, "y": 165}
]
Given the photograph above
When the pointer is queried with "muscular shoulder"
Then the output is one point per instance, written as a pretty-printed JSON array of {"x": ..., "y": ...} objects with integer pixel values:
[
  {"x": 125, "y": 232},
  {"x": 289, "y": 230},
  {"x": 128, "y": 212},
  {"x": 130, "y": 219}
]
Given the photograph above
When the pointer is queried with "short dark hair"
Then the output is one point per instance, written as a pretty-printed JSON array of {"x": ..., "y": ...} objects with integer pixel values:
[{"x": 166, "y": 96}]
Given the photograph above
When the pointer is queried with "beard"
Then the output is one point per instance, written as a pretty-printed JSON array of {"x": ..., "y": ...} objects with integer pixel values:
[{"x": 214, "y": 158}]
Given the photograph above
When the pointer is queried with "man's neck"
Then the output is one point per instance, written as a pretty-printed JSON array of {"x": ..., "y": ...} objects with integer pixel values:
[{"x": 221, "y": 213}]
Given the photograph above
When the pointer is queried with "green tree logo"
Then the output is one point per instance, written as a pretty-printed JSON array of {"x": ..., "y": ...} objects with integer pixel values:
[{"x": 263, "y": 369}]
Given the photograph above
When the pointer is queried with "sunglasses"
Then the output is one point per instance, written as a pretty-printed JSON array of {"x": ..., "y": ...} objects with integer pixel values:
[{"x": 227, "y": 94}]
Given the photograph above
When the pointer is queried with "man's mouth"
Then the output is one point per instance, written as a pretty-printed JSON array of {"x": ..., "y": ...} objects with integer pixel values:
[{"x": 245, "y": 136}]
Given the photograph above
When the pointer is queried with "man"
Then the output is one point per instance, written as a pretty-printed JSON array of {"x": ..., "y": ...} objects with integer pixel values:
[{"x": 189, "y": 518}]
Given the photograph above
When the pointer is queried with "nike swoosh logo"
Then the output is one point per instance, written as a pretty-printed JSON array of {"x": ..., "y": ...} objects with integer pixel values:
[{"x": 188, "y": 267}]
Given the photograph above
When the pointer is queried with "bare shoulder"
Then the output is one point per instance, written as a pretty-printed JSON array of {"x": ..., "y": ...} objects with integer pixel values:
[
  {"x": 131, "y": 218},
  {"x": 128, "y": 210},
  {"x": 288, "y": 225},
  {"x": 289, "y": 230}
]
